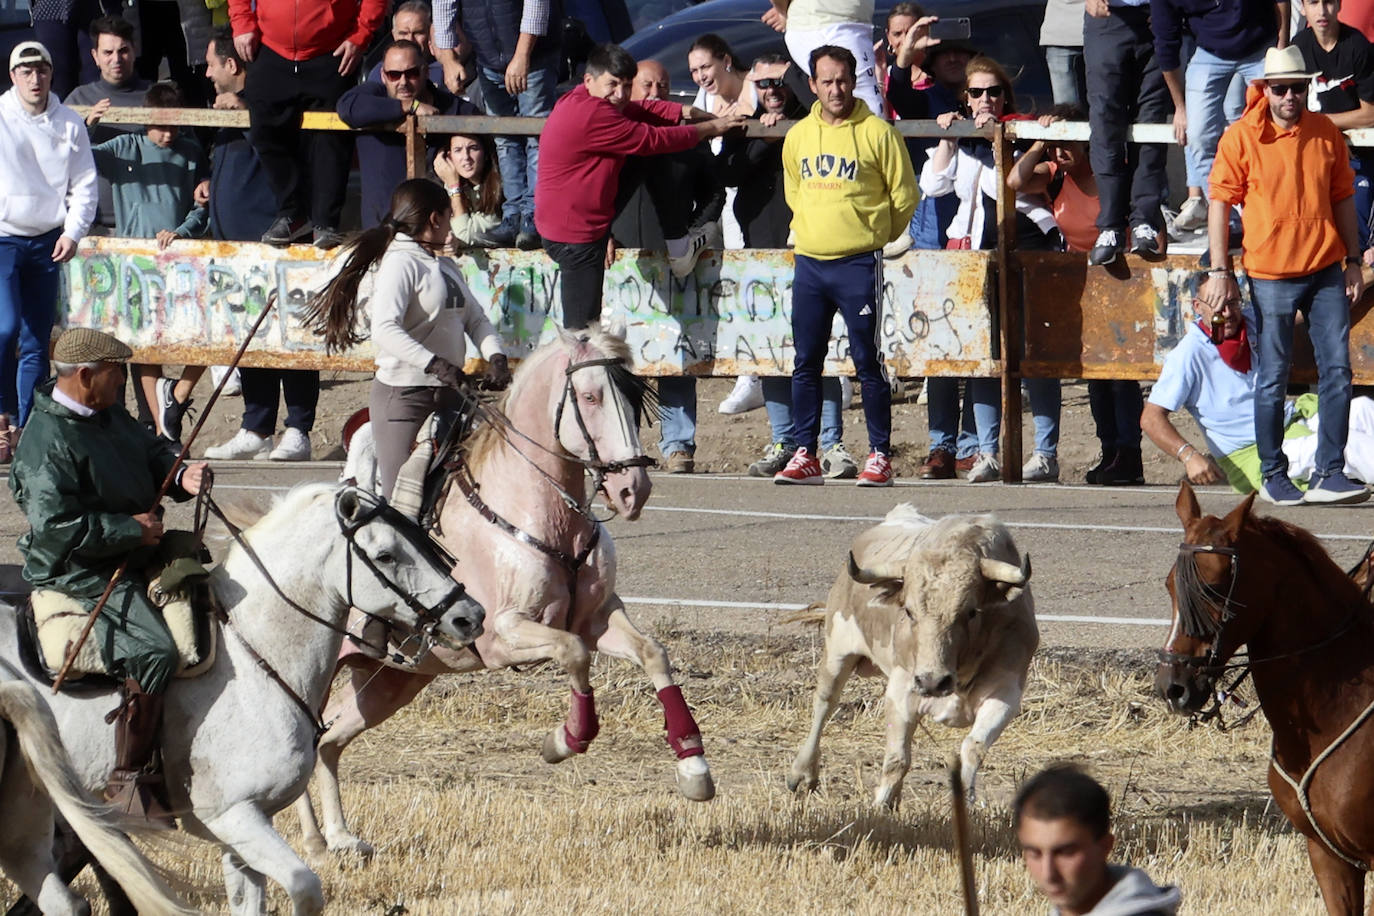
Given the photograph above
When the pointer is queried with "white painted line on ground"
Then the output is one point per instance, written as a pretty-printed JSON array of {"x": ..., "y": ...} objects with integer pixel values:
[
  {"x": 782, "y": 606},
  {"x": 1049, "y": 526}
]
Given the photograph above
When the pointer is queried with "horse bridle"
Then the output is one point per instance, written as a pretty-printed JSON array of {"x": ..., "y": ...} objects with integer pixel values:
[
  {"x": 593, "y": 463},
  {"x": 429, "y": 617},
  {"x": 1187, "y": 611}
]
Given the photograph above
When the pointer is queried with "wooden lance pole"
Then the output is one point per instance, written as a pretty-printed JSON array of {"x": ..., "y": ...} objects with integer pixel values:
[{"x": 961, "y": 839}]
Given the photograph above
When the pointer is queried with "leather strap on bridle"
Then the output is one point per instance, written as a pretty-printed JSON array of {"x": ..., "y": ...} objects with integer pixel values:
[{"x": 462, "y": 476}]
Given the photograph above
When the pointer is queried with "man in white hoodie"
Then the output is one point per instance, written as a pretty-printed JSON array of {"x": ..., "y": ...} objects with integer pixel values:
[
  {"x": 1063, "y": 820},
  {"x": 47, "y": 202}
]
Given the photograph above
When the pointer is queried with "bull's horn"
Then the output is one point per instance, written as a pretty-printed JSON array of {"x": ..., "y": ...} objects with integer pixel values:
[
  {"x": 1002, "y": 571},
  {"x": 869, "y": 576}
]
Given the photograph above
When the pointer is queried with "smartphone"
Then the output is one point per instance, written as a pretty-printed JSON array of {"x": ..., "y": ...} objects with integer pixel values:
[{"x": 950, "y": 29}]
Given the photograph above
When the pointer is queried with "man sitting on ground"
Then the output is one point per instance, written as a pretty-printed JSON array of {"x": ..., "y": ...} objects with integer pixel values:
[
  {"x": 1063, "y": 819},
  {"x": 1216, "y": 384}
]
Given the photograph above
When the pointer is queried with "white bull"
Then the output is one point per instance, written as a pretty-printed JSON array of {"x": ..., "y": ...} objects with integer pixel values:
[{"x": 943, "y": 609}]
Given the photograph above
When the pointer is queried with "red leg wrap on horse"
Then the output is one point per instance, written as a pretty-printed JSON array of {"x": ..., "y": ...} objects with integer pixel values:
[
  {"x": 582, "y": 725},
  {"x": 683, "y": 735}
]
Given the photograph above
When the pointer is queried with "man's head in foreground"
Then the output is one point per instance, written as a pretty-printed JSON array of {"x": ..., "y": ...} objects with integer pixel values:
[{"x": 1063, "y": 821}]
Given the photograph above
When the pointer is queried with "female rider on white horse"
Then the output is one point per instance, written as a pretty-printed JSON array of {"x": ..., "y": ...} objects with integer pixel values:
[{"x": 421, "y": 313}]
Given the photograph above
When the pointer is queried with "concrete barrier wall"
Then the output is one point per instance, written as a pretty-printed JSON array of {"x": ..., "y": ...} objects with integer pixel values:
[{"x": 194, "y": 302}]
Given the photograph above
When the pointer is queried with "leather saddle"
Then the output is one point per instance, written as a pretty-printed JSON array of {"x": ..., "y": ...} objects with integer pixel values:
[{"x": 49, "y": 622}]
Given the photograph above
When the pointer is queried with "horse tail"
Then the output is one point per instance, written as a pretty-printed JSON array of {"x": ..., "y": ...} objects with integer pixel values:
[
  {"x": 95, "y": 824},
  {"x": 813, "y": 615}
]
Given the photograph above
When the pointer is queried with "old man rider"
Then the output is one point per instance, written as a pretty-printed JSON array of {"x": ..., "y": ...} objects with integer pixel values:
[{"x": 86, "y": 475}]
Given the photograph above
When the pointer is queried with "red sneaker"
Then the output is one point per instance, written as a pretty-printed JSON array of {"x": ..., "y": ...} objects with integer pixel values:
[
  {"x": 877, "y": 471},
  {"x": 804, "y": 468}
]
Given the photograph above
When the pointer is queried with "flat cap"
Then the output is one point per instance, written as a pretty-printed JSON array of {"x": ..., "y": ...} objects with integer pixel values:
[{"x": 87, "y": 345}]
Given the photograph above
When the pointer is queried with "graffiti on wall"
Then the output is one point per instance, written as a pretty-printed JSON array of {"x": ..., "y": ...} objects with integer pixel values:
[{"x": 199, "y": 299}]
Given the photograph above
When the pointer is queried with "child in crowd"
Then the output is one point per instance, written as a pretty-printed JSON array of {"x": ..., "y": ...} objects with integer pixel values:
[{"x": 154, "y": 177}]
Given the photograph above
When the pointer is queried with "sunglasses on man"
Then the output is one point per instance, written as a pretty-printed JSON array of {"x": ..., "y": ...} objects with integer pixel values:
[
  {"x": 1282, "y": 89},
  {"x": 976, "y": 92},
  {"x": 769, "y": 83},
  {"x": 410, "y": 73}
]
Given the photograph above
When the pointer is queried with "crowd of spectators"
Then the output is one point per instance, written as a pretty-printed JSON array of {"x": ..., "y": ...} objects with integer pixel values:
[{"x": 643, "y": 171}]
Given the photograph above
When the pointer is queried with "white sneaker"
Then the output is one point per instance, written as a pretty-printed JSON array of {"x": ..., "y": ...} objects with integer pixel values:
[
  {"x": 838, "y": 464},
  {"x": 690, "y": 248},
  {"x": 1040, "y": 468},
  {"x": 245, "y": 444},
  {"x": 1192, "y": 215},
  {"x": 294, "y": 445},
  {"x": 747, "y": 395},
  {"x": 233, "y": 387},
  {"x": 986, "y": 468}
]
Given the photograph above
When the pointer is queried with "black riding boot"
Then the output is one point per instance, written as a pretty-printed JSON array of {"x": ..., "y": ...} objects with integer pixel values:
[{"x": 135, "y": 786}]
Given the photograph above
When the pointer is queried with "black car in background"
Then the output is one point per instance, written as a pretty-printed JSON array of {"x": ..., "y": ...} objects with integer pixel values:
[{"x": 1006, "y": 30}]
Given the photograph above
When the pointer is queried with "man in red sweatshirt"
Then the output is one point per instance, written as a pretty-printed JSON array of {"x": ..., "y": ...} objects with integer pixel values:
[
  {"x": 304, "y": 54},
  {"x": 585, "y": 141}
]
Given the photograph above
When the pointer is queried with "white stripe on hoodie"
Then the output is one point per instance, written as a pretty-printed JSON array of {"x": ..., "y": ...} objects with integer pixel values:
[{"x": 47, "y": 173}]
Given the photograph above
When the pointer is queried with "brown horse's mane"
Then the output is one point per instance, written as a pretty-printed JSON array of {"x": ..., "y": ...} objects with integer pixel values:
[
  {"x": 478, "y": 448},
  {"x": 1313, "y": 555}
]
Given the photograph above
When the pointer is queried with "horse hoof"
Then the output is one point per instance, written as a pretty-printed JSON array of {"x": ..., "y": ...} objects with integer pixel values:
[
  {"x": 556, "y": 748},
  {"x": 694, "y": 779},
  {"x": 351, "y": 845},
  {"x": 315, "y": 847}
]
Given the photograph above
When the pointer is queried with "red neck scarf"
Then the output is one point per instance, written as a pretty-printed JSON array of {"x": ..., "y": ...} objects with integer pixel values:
[{"x": 1234, "y": 351}]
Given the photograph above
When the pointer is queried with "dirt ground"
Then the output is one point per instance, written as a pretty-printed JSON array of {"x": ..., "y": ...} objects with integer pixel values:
[{"x": 729, "y": 444}]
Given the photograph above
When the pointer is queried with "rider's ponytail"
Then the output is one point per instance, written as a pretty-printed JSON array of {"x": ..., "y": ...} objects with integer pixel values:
[{"x": 330, "y": 312}]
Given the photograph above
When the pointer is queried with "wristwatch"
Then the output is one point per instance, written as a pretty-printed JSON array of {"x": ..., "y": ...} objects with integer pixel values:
[{"x": 1353, "y": 262}]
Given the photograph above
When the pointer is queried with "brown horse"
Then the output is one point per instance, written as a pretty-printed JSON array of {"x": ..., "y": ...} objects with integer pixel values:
[{"x": 1262, "y": 583}]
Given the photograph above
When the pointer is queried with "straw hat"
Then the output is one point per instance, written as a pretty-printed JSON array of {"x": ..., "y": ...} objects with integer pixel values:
[{"x": 1285, "y": 64}]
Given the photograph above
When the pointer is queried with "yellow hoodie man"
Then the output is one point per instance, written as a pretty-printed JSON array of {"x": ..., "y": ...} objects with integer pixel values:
[
  {"x": 850, "y": 184},
  {"x": 848, "y": 180}
]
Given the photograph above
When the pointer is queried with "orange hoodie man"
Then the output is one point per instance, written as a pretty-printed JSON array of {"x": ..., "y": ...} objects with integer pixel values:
[{"x": 1290, "y": 170}]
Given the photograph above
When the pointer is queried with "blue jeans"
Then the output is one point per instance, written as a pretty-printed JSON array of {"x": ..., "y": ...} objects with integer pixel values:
[
  {"x": 1321, "y": 296},
  {"x": 777, "y": 401},
  {"x": 1215, "y": 98},
  {"x": 28, "y": 306},
  {"x": 1068, "y": 82},
  {"x": 518, "y": 157},
  {"x": 1046, "y": 399},
  {"x": 943, "y": 417},
  {"x": 677, "y": 414}
]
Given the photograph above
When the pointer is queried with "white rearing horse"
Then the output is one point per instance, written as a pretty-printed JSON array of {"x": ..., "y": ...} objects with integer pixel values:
[
  {"x": 239, "y": 741},
  {"x": 541, "y": 565}
]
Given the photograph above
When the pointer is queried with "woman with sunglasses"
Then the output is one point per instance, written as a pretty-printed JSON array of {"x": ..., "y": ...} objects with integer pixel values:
[
  {"x": 469, "y": 173},
  {"x": 967, "y": 170}
]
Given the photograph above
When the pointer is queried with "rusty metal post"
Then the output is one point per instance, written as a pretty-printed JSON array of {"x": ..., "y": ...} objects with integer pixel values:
[
  {"x": 416, "y": 162},
  {"x": 1011, "y": 335}
]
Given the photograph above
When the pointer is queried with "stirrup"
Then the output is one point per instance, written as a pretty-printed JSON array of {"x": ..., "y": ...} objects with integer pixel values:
[{"x": 138, "y": 795}]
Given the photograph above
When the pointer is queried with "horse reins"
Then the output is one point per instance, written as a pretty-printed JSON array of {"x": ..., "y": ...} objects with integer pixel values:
[
  {"x": 350, "y": 528},
  {"x": 1226, "y": 614}
]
